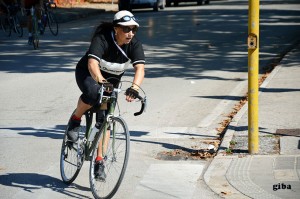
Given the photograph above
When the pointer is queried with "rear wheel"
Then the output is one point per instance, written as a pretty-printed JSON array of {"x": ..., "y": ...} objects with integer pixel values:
[
  {"x": 116, "y": 159},
  {"x": 72, "y": 155},
  {"x": 5, "y": 25}
]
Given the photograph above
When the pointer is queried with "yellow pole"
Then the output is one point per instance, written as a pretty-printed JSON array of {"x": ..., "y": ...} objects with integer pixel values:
[{"x": 253, "y": 68}]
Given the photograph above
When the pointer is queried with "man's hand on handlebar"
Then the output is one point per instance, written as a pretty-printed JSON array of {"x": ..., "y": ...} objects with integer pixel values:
[
  {"x": 108, "y": 87},
  {"x": 131, "y": 94}
]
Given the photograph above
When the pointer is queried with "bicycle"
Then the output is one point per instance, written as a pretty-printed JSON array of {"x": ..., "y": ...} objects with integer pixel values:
[
  {"x": 11, "y": 22},
  {"x": 48, "y": 17},
  {"x": 113, "y": 134}
]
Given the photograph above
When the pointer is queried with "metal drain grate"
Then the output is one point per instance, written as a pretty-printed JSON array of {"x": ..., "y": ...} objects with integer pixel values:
[{"x": 288, "y": 132}]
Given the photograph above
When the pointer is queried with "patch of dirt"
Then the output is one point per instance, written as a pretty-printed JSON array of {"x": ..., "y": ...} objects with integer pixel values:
[
  {"x": 179, "y": 154},
  {"x": 105, "y": 6}
]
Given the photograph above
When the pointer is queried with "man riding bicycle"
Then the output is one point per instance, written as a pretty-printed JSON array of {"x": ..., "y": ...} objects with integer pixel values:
[
  {"x": 113, "y": 48},
  {"x": 28, "y": 4}
]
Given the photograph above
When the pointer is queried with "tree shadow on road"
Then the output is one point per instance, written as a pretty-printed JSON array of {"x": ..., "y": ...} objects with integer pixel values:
[
  {"x": 55, "y": 133},
  {"x": 136, "y": 136},
  {"x": 184, "y": 45}
]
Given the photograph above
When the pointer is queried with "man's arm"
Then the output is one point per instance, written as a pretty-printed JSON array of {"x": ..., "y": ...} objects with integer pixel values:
[{"x": 139, "y": 75}]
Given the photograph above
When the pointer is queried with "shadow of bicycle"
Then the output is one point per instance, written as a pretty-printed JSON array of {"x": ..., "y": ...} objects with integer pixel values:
[{"x": 30, "y": 182}]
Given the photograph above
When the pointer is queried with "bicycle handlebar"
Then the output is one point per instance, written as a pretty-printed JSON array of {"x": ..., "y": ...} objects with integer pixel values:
[
  {"x": 143, "y": 105},
  {"x": 117, "y": 90}
]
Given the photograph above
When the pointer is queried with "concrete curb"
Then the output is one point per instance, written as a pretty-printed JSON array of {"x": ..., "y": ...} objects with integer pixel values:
[{"x": 215, "y": 178}]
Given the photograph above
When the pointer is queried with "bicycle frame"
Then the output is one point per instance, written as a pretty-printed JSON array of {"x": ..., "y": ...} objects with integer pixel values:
[{"x": 89, "y": 147}]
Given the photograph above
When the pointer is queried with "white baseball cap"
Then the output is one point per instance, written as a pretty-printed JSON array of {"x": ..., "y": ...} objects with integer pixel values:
[{"x": 125, "y": 18}]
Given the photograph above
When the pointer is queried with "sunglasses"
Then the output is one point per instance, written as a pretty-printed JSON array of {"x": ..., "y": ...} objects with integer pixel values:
[
  {"x": 127, "y": 29},
  {"x": 125, "y": 19}
]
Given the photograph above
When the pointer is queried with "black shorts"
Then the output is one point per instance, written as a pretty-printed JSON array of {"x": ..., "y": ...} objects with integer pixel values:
[{"x": 89, "y": 87}]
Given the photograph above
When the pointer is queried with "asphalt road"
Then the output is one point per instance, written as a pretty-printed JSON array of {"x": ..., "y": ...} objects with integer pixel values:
[{"x": 196, "y": 71}]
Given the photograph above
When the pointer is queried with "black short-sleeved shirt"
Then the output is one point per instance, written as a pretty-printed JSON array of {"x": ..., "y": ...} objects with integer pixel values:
[{"x": 113, "y": 60}]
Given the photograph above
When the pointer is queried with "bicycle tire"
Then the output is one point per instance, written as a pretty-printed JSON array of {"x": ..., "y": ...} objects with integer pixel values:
[
  {"x": 52, "y": 23},
  {"x": 17, "y": 26},
  {"x": 6, "y": 27},
  {"x": 36, "y": 41},
  {"x": 35, "y": 37},
  {"x": 115, "y": 166},
  {"x": 71, "y": 166}
]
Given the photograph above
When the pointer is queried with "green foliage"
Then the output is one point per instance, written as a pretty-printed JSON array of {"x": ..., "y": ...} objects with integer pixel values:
[{"x": 228, "y": 151}]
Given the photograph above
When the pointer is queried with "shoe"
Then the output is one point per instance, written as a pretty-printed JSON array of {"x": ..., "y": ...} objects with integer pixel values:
[
  {"x": 99, "y": 171},
  {"x": 73, "y": 134},
  {"x": 73, "y": 130},
  {"x": 30, "y": 40}
]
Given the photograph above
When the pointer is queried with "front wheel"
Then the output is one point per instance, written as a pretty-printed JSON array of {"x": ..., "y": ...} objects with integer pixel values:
[
  {"x": 35, "y": 36},
  {"x": 18, "y": 26},
  {"x": 115, "y": 159},
  {"x": 52, "y": 23}
]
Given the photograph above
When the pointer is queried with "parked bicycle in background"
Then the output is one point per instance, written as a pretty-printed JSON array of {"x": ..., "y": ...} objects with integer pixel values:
[
  {"x": 10, "y": 21},
  {"x": 48, "y": 17}
]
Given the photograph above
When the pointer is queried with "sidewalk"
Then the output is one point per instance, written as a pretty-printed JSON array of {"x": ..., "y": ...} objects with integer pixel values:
[{"x": 275, "y": 171}]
